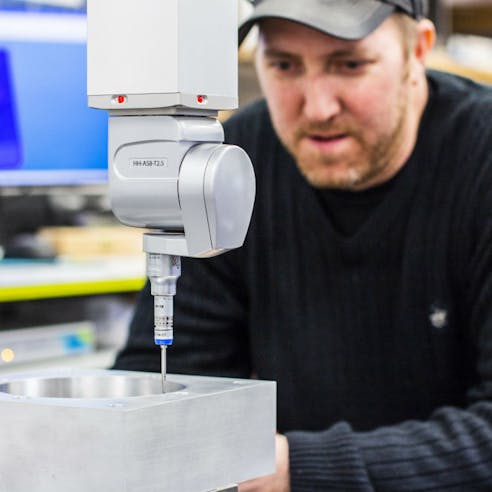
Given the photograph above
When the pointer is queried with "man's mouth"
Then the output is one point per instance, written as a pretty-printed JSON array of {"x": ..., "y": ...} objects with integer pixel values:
[
  {"x": 327, "y": 143},
  {"x": 327, "y": 138}
]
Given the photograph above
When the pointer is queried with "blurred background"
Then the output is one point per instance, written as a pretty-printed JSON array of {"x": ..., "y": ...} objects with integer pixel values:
[{"x": 69, "y": 273}]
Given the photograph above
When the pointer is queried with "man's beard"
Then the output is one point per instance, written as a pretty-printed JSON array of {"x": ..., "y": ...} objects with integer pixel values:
[{"x": 370, "y": 161}]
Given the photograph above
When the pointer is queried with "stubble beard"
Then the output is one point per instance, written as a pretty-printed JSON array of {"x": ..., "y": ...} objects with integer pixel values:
[{"x": 371, "y": 161}]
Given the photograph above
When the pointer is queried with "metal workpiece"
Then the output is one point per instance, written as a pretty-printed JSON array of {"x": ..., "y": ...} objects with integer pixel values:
[{"x": 114, "y": 431}]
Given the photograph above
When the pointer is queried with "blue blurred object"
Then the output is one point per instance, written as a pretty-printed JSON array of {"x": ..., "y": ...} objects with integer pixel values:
[
  {"x": 41, "y": 6},
  {"x": 10, "y": 157},
  {"x": 62, "y": 141}
]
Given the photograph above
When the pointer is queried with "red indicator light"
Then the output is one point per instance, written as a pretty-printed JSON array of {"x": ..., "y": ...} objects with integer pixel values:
[
  {"x": 119, "y": 99},
  {"x": 199, "y": 99}
]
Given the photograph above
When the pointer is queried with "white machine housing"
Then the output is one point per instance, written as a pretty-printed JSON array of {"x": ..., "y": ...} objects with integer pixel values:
[
  {"x": 162, "y": 53},
  {"x": 172, "y": 174},
  {"x": 163, "y": 69}
]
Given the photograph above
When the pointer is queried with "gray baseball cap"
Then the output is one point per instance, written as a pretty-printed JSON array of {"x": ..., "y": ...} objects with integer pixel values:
[{"x": 346, "y": 19}]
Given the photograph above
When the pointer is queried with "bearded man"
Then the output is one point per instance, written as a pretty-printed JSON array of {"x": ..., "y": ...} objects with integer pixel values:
[{"x": 364, "y": 287}]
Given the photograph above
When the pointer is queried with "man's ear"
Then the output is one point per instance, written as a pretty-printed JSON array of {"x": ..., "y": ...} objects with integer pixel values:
[{"x": 426, "y": 37}]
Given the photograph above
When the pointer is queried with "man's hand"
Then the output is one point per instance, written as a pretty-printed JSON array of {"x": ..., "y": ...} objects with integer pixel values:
[{"x": 280, "y": 480}]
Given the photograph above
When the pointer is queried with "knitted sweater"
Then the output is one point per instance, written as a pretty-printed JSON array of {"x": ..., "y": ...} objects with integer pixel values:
[{"x": 379, "y": 336}]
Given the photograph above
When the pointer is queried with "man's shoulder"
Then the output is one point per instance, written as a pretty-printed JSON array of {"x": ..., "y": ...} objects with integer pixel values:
[
  {"x": 459, "y": 92},
  {"x": 252, "y": 111},
  {"x": 246, "y": 123},
  {"x": 456, "y": 133},
  {"x": 460, "y": 110}
]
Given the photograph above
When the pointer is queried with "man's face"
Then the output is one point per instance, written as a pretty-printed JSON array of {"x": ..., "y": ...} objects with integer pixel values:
[{"x": 343, "y": 109}]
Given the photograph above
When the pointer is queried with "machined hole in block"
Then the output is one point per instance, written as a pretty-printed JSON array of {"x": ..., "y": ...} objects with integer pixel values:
[{"x": 102, "y": 386}]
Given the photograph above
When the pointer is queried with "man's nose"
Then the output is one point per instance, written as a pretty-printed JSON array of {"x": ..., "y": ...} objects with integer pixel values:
[{"x": 321, "y": 99}]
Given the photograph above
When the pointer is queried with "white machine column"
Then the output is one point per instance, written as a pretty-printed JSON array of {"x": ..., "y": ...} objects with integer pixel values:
[
  {"x": 163, "y": 69},
  {"x": 162, "y": 54}
]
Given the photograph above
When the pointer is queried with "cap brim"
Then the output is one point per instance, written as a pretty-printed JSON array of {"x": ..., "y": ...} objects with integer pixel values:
[{"x": 343, "y": 19}]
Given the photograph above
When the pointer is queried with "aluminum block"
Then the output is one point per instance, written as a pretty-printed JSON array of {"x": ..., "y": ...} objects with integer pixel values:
[{"x": 115, "y": 431}]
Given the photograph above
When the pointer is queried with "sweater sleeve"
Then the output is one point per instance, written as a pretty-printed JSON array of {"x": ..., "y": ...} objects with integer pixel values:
[{"x": 452, "y": 450}]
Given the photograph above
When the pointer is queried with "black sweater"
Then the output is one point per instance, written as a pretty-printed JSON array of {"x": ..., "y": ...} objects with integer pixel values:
[{"x": 379, "y": 335}]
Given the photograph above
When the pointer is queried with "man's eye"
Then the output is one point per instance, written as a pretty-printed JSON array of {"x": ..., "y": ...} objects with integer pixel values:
[
  {"x": 353, "y": 65},
  {"x": 283, "y": 65}
]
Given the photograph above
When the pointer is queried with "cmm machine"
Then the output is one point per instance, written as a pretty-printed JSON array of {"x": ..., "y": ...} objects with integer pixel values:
[{"x": 162, "y": 69}]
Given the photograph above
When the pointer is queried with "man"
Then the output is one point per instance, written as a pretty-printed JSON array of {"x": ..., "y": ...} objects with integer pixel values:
[{"x": 364, "y": 287}]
